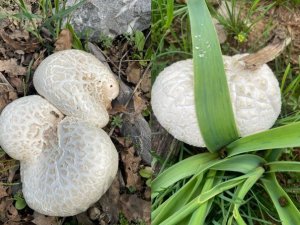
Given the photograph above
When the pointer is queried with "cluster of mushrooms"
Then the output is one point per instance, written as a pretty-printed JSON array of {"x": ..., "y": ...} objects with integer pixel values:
[
  {"x": 255, "y": 98},
  {"x": 67, "y": 161}
]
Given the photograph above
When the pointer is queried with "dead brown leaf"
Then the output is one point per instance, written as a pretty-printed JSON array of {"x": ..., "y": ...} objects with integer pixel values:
[
  {"x": 133, "y": 73},
  {"x": 135, "y": 208},
  {"x": 146, "y": 83},
  {"x": 147, "y": 194},
  {"x": 29, "y": 46},
  {"x": 132, "y": 166},
  {"x": 40, "y": 219},
  {"x": 12, "y": 68},
  {"x": 7, "y": 92},
  {"x": 38, "y": 58},
  {"x": 64, "y": 40},
  {"x": 125, "y": 142},
  {"x": 3, "y": 192},
  {"x": 11, "y": 211},
  {"x": 117, "y": 108},
  {"x": 138, "y": 103},
  {"x": 19, "y": 35},
  {"x": 111, "y": 200},
  {"x": 17, "y": 83},
  {"x": 266, "y": 54}
]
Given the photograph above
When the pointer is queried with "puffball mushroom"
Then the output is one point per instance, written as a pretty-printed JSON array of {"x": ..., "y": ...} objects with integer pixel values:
[
  {"x": 78, "y": 84},
  {"x": 67, "y": 161},
  {"x": 255, "y": 98},
  {"x": 67, "y": 164}
]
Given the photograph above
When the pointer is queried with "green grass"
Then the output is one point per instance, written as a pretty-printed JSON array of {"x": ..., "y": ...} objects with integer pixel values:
[
  {"x": 49, "y": 18},
  {"x": 171, "y": 43}
]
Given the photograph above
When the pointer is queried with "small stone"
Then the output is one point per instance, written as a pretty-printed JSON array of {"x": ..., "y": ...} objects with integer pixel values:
[{"x": 94, "y": 213}]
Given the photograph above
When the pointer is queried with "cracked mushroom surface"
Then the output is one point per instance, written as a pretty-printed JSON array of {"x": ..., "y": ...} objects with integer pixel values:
[
  {"x": 255, "y": 98},
  {"x": 78, "y": 84},
  {"x": 67, "y": 161}
]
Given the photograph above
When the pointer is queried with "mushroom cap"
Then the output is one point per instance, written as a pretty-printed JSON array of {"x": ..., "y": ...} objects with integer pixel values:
[
  {"x": 78, "y": 84},
  {"x": 66, "y": 164},
  {"x": 24, "y": 124},
  {"x": 255, "y": 98},
  {"x": 74, "y": 173}
]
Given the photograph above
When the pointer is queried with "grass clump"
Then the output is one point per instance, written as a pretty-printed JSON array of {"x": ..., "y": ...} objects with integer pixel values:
[{"x": 236, "y": 184}]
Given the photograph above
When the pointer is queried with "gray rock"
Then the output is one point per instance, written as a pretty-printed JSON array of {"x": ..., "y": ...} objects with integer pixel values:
[
  {"x": 97, "y": 19},
  {"x": 133, "y": 126}
]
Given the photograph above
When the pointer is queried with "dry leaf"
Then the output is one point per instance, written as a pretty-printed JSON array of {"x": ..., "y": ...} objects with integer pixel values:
[
  {"x": 3, "y": 192},
  {"x": 11, "y": 211},
  {"x": 19, "y": 35},
  {"x": 117, "y": 108},
  {"x": 38, "y": 58},
  {"x": 12, "y": 68},
  {"x": 64, "y": 40},
  {"x": 124, "y": 141},
  {"x": 7, "y": 95},
  {"x": 40, "y": 219},
  {"x": 133, "y": 73},
  {"x": 7, "y": 92},
  {"x": 132, "y": 166},
  {"x": 29, "y": 46},
  {"x": 17, "y": 83},
  {"x": 146, "y": 83},
  {"x": 147, "y": 194},
  {"x": 111, "y": 200},
  {"x": 138, "y": 103},
  {"x": 266, "y": 54},
  {"x": 135, "y": 208}
]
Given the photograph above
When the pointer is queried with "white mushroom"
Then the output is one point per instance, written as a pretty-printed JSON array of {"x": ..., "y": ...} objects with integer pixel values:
[
  {"x": 255, "y": 97},
  {"x": 78, "y": 84},
  {"x": 66, "y": 163}
]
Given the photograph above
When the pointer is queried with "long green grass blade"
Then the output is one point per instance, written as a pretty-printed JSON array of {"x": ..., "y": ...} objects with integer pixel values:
[
  {"x": 63, "y": 13},
  {"x": 284, "y": 166},
  {"x": 170, "y": 13},
  {"x": 243, "y": 190},
  {"x": 198, "y": 217},
  {"x": 280, "y": 137},
  {"x": 212, "y": 99},
  {"x": 184, "y": 168},
  {"x": 200, "y": 163},
  {"x": 287, "y": 211},
  {"x": 193, "y": 205},
  {"x": 176, "y": 201},
  {"x": 241, "y": 163}
]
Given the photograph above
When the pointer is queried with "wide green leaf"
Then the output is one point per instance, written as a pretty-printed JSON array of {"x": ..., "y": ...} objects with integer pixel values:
[
  {"x": 177, "y": 201},
  {"x": 284, "y": 166},
  {"x": 241, "y": 192},
  {"x": 198, "y": 217},
  {"x": 183, "y": 169},
  {"x": 212, "y": 99},
  {"x": 288, "y": 212},
  {"x": 280, "y": 137},
  {"x": 204, "y": 197},
  {"x": 241, "y": 163}
]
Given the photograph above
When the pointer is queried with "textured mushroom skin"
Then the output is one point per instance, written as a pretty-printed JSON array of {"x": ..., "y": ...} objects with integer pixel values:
[
  {"x": 25, "y": 124},
  {"x": 78, "y": 84},
  {"x": 66, "y": 164},
  {"x": 255, "y": 98},
  {"x": 72, "y": 174}
]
